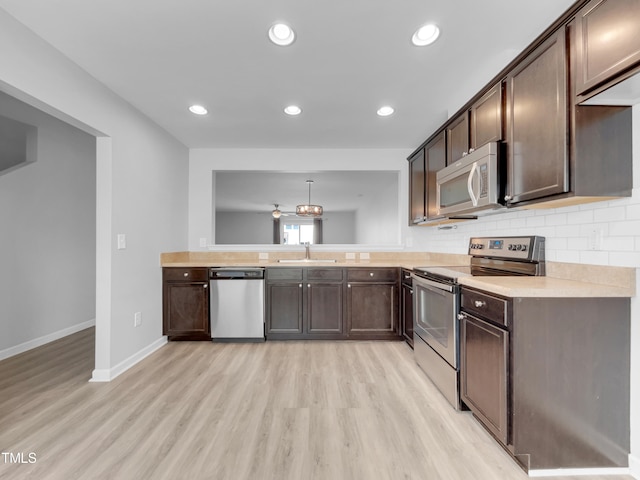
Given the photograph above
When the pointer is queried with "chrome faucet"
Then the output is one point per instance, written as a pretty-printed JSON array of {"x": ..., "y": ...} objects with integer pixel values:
[{"x": 307, "y": 254}]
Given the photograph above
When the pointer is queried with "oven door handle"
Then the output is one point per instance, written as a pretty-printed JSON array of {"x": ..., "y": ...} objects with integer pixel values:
[{"x": 434, "y": 287}]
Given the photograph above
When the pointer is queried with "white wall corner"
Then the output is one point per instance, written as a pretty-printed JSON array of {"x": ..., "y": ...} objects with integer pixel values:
[
  {"x": 634, "y": 466},
  {"x": 106, "y": 375}
]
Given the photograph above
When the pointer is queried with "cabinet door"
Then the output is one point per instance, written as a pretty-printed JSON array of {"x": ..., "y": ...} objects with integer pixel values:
[
  {"x": 607, "y": 41},
  {"x": 324, "y": 308},
  {"x": 186, "y": 310},
  {"x": 436, "y": 159},
  {"x": 484, "y": 366},
  {"x": 417, "y": 190},
  {"x": 372, "y": 310},
  {"x": 407, "y": 313},
  {"x": 284, "y": 308},
  {"x": 486, "y": 118},
  {"x": 537, "y": 123},
  {"x": 458, "y": 138}
]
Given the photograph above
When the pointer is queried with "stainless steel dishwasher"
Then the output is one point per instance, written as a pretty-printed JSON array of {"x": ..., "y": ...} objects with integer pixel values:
[{"x": 236, "y": 304}]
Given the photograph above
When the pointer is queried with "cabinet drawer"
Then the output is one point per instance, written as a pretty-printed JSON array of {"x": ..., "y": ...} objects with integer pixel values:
[
  {"x": 485, "y": 306},
  {"x": 284, "y": 274},
  {"x": 372, "y": 274},
  {"x": 331, "y": 273},
  {"x": 185, "y": 274}
]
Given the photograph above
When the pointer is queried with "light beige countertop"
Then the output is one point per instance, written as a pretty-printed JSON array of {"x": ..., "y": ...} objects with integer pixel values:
[
  {"x": 561, "y": 280},
  {"x": 545, "y": 287},
  {"x": 249, "y": 259}
]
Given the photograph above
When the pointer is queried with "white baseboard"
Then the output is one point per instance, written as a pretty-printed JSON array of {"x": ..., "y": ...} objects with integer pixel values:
[
  {"x": 570, "y": 472},
  {"x": 38, "y": 342},
  {"x": 634, "y": 466},
  {"x": 108, "y": 374}
]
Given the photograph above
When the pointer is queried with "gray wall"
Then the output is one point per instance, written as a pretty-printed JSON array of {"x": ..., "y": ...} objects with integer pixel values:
[{"x": 48, "y": 239}]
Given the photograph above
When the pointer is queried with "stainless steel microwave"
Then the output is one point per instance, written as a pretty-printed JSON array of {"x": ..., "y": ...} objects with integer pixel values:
[{"x": 472, "y": 185}]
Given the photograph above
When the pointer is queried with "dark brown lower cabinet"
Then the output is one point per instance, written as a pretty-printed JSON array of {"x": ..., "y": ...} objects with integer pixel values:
[
  {"x": 324, "y": 308},
  {"x": 284, "y": 308},
  {"x": 185, "y": 297},
  {"x": 484, "y": 373},
  {"x": 372, "y": 303},
  {"x": 549, "y": 377},
  {"x": 324, "y": 303},
  {"x": 406, "y": 307}
]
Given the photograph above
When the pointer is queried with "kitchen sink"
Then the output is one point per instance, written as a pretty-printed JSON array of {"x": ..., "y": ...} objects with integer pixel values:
[{"x": 307, "y": 260}]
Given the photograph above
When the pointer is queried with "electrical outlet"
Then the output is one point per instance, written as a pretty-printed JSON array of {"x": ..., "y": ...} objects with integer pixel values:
[
  {"x": 137, "y": 319},
  {"x": 596, "y": 237},
  {"x": 122, "y": 241}
]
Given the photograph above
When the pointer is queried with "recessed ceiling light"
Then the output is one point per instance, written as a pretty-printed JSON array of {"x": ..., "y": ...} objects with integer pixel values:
[
  {"x": 198, "y": 110},
  {"x": 385, "y": 111},
  {"x": 293, "y": 110},
  {"x": 281, "y": 34},
  {"x": 425, "y": 35}
]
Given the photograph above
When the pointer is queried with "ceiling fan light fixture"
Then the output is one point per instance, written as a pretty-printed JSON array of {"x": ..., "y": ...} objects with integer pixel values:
[
  {"x": 276, "y": 213},
  {"x": 308, "y": 209},
  {"x": 425, "y": 35},
  {"x": 281, "y": 34}
]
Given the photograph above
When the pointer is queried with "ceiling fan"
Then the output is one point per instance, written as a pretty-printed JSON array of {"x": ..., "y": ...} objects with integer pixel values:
[{"x": 277, "y": 213}]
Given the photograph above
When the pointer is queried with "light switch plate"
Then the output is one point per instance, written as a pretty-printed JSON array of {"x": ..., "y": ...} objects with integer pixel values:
[
  {"x": 122, "y": 241},
  {"x": 203, "y": 241}
]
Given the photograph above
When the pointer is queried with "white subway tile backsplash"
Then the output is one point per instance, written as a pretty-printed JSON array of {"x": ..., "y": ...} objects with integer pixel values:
[
  {"x": 633, "y": 212},
  {"x": 556, "y": 219},
  {"x": 625, "y": 259},
  {"x": 579, "y": 217},
  {"x": 618, "y": 244},
  {"x": 567, "y": 256},
  {"x": 611, "y": 214},
  {"x": 630, "y": 227},
  {"x": 535, "y": 222},
  {"x": 594, "y": 257}
]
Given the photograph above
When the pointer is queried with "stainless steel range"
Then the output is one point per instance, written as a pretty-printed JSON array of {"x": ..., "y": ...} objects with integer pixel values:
[{"x": 436, "y": 302}]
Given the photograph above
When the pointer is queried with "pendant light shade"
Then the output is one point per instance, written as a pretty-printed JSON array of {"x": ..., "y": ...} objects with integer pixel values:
[{"x": 309, "y": 210}]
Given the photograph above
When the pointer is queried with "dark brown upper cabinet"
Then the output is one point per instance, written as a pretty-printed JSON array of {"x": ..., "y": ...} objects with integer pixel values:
[
  {"x": 537, "y": 123},
  {"x": 487, "y": 120},
  {"x": 607, "y": 44},
  {"x": 423, "y": 166},
  {"x": 436, "y": 159},
  {"x": 480, "y": 124},
  {"x": 458, "y": 138},
  {"x": 417, "y": 190}
]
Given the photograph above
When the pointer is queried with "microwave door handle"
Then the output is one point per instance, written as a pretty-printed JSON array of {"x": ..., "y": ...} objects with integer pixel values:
[{"x": 474, "y": 199}]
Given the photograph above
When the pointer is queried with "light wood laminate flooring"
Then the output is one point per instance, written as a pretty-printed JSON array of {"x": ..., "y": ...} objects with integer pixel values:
[{"x": 277, "y": 410}]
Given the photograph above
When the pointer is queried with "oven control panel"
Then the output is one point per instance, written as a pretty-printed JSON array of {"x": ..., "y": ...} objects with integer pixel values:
[{"x": 529, "y": 248}]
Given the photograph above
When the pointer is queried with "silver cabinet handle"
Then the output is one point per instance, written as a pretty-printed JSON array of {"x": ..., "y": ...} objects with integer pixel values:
[
  {"x": 308, "y": 285},
  {"x": 186, "y": 274},
  {"x": 349, "y": 285},
  {"x": 507, "y": 197},
  {"x": 205, "y": 285},
  {"x": 371, "y": 274},
  {"x": 479, "y": 303},
  {"x": 461, "y": 316},
  {"x": 300, "y": 285}
]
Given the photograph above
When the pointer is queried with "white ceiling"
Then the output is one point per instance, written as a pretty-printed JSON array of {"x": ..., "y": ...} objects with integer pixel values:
[{"x": 350, "y": 57}]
